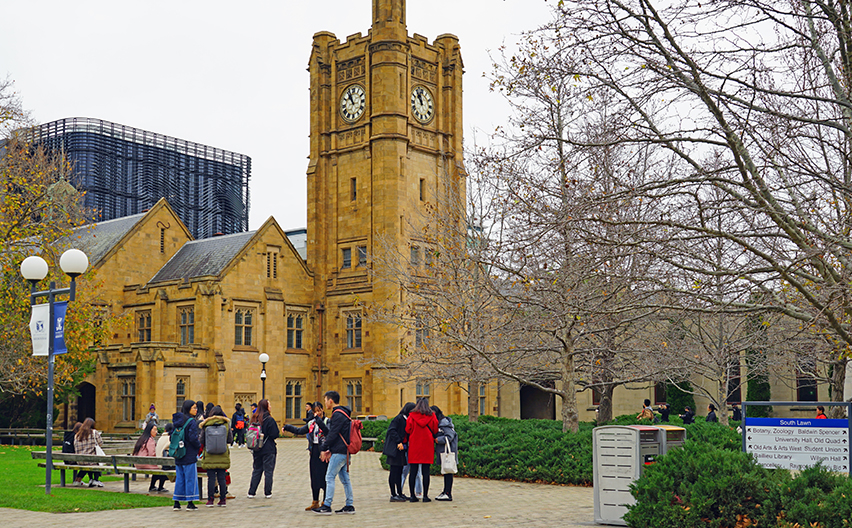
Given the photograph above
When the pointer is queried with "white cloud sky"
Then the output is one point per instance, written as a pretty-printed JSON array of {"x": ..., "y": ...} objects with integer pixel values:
[{"x": 227, "y": 74}]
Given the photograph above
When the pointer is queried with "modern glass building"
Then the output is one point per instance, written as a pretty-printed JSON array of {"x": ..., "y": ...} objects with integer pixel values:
[{"x": 125, "y": 171}]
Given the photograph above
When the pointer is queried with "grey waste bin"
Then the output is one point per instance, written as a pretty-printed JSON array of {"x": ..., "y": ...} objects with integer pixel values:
[
  {"x": 620, "y": 454},
  {"x": 673, "y": 436}
]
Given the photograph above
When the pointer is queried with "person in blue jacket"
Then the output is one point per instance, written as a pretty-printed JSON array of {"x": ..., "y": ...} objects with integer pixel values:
[{"x": 186, "y": 481}]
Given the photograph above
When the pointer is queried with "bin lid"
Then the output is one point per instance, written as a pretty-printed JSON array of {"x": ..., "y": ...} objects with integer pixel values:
[
  {"x": 643, "y": 427},
  {"x": 671, "y": 428}
]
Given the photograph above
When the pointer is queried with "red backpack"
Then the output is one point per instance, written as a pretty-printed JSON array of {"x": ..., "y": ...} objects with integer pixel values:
[{"x": 355, "y": 426}]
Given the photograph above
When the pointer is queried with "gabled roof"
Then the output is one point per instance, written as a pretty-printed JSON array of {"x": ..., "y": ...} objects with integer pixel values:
[
  {"x": 203, "y": 258},
  {"x": 97, "y": 240}
]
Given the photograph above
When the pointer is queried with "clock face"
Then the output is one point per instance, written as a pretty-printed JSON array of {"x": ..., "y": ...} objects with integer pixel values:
[
  {"x": 422, "y": 105},
  {"x": 353, "y": 102}
]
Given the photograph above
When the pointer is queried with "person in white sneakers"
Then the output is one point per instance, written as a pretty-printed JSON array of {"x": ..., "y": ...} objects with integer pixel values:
[{"x": 446, "y": 434}]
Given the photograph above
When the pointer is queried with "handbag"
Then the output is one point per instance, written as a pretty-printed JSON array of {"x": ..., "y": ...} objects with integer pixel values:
[{"x": 448, "y": 460}]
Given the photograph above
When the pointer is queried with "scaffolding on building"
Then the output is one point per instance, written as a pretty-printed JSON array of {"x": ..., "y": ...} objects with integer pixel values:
[{"x": 125, "y": 171}]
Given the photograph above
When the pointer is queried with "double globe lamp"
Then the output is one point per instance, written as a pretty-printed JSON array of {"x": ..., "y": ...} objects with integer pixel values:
[{"x": 34, "y": 269}]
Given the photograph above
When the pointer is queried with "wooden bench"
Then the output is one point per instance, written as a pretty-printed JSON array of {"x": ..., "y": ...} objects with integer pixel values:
[{"x": 113, "y": 464}]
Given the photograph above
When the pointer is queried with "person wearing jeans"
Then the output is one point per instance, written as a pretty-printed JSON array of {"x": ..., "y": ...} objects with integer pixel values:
[{"x": 335, "y": 450}]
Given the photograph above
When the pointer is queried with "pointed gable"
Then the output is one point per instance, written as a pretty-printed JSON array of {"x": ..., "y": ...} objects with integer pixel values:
[{"x": 203, "y": 258}]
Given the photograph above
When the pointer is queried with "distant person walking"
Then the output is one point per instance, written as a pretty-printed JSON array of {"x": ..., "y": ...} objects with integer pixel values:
[
  {"x": 711, "y": 414},
  {"x": 688, "y": 416},
  {"x": 737, "y": 413},
  {"x": 647, "y": 413},
  {"x": 263, "y": 459},
  {"x": 316, "y": 430},
  {"x": 446, "y": 436},
  {"x": 238, "y": 425},
  {"x": 335, "y": 452},
  {"x": 87, "y": 442},
  {"x": 421, "y": 427},
  {"x": 146, "y": 446},
  {"x": 186, "y": 483},
  {"x": 216, "y": 459},
  {"x": 821, "y": 413},
  {"x": 665, "y": 410},
  {"x": 394, "y": 450}
]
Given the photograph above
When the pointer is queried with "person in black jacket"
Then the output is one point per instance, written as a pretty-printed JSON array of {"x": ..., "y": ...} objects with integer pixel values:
[
  {"x": 395, "y": 451},
  {"x": 335, "y": 452},
  {"x": 711, "y": 414},
  {"x": 238, "y": 425},
  {"x": 186, "y": 482},
  {"x": 315, "y": 429},
  {"x": 263, "y": 462},
  {"x": 688, "y": 416}
]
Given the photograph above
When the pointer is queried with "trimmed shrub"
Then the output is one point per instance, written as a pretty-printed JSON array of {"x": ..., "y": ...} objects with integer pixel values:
[{"x": 705, "y": 486}]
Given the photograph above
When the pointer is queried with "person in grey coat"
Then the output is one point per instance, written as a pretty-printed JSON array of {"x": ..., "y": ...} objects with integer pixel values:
[{"x": 446, "y": 434}]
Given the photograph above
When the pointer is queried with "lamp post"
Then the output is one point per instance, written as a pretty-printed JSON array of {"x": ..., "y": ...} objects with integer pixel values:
[
  {"x": 74, "y": 263},
  {"x": 263, "y": 359}
]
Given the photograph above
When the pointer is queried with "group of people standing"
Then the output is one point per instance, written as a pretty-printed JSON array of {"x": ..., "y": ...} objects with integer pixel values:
[{"x": 414, "y": 438}]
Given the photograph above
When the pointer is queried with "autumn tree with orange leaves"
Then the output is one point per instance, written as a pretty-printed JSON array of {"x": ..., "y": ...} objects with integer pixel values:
[{"x": 38, "y": 207}]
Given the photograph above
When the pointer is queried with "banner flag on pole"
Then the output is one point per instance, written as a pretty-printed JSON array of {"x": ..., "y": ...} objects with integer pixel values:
[
  {"x": 59, "y": 327},
  {"x": 39, "y": 328}
]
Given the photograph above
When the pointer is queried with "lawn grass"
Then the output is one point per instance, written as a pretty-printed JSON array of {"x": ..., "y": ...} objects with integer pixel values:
[{"x": 22, "y": 482}]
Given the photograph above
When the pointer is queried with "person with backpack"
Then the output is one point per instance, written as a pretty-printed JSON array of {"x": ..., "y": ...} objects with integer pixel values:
[
  {"x": 647, "y": 413},
  {"x": 316, "y": 429},
  {"x": 146, "y": 446},
  {"x": 216, "y": 459},
  {"x": 395, "y": 451},
  {"x": 446, "y": 436},
  {"x": 421, "y": 428},
  {"x": 335, "y": 451},
  {"x": 183, "y": 446},
  {"x": 264, "y": 452},
  {"x": 238, "y": 425}
]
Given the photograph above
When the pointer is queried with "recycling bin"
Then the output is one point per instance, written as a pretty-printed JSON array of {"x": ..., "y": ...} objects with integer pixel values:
[
  {"x": 673, "y": 436},
  {"x": 620, "y": 453}
]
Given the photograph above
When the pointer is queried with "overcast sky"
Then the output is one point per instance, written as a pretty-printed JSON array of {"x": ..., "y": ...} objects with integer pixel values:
[{"x": 228, "y": 74}]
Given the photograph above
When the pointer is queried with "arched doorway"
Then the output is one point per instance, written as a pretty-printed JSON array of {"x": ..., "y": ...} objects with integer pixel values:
[
  {"x": 86, "y": 401},
  {"x": 537, "y": 404}
]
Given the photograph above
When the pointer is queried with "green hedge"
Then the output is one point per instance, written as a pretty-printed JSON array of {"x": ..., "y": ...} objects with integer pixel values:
[
  {"x": 709, "y": 486},
  {"x": 537, "y": 450}
]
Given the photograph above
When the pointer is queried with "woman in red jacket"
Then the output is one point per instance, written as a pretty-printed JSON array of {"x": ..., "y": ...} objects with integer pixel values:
[{"x": 421, "y": 428}]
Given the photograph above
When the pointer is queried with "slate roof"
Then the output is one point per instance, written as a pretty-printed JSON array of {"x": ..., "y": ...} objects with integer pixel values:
[
  {"x": 205, "y": 257},
  {"x": 96, "y": 240}
]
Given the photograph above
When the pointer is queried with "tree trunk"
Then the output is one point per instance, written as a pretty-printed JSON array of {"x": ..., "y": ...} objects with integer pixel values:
[
  {"x": 472, "y": 401},
  {"x": 605, "y": 406},
  {"x": 838, "y": 385},
  {"x": 570, "y": 417},
  {"x": 722, "y": 411}
]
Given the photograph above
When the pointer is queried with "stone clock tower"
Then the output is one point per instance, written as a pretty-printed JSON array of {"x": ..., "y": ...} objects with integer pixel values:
[{"x": 386, "y": 140}]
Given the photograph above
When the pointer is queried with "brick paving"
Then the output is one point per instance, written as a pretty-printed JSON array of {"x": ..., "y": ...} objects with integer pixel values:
[{"x": 476, "y": 502}]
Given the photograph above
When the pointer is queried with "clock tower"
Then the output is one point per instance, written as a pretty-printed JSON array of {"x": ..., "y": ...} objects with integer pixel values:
[{"x": 385, "y": 144}]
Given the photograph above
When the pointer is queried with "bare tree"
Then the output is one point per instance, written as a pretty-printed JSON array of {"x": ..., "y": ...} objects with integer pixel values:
[{"x": 745, "y": 98}]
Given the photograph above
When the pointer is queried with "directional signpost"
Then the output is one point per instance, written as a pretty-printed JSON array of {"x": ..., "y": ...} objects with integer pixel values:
[{"x": 797, "y": 443}]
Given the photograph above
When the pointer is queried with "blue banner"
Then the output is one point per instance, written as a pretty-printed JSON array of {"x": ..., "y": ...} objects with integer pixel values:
[
  {"x": 796, "y": 422},
  {"x": 59, "y": 327}
]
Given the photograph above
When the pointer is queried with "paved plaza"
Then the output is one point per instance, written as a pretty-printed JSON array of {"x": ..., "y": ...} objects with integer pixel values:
[{"x": 476, "y": 502}]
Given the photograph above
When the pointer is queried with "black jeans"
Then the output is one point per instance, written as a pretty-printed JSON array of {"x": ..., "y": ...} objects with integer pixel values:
[
  {"x": 395, "y": 480},
  {"x": 263, "y": 464},
  {"x": 318, "y": 471},
  {"x": 157, "y": 478},
  {"x": 412, "y": 478},
  {"x": 448, "y": 485},
  {"x": 240, "y": 436},
  {"x": 214, "y": 475}
]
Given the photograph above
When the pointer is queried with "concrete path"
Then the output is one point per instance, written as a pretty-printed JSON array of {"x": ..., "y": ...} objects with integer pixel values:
[{"x": 476, "y": 502}]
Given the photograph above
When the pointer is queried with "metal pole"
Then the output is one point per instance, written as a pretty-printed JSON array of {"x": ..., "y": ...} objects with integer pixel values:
[
  {"x": 263, "y": 383},
  {"x": 49, "y": 428}
]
